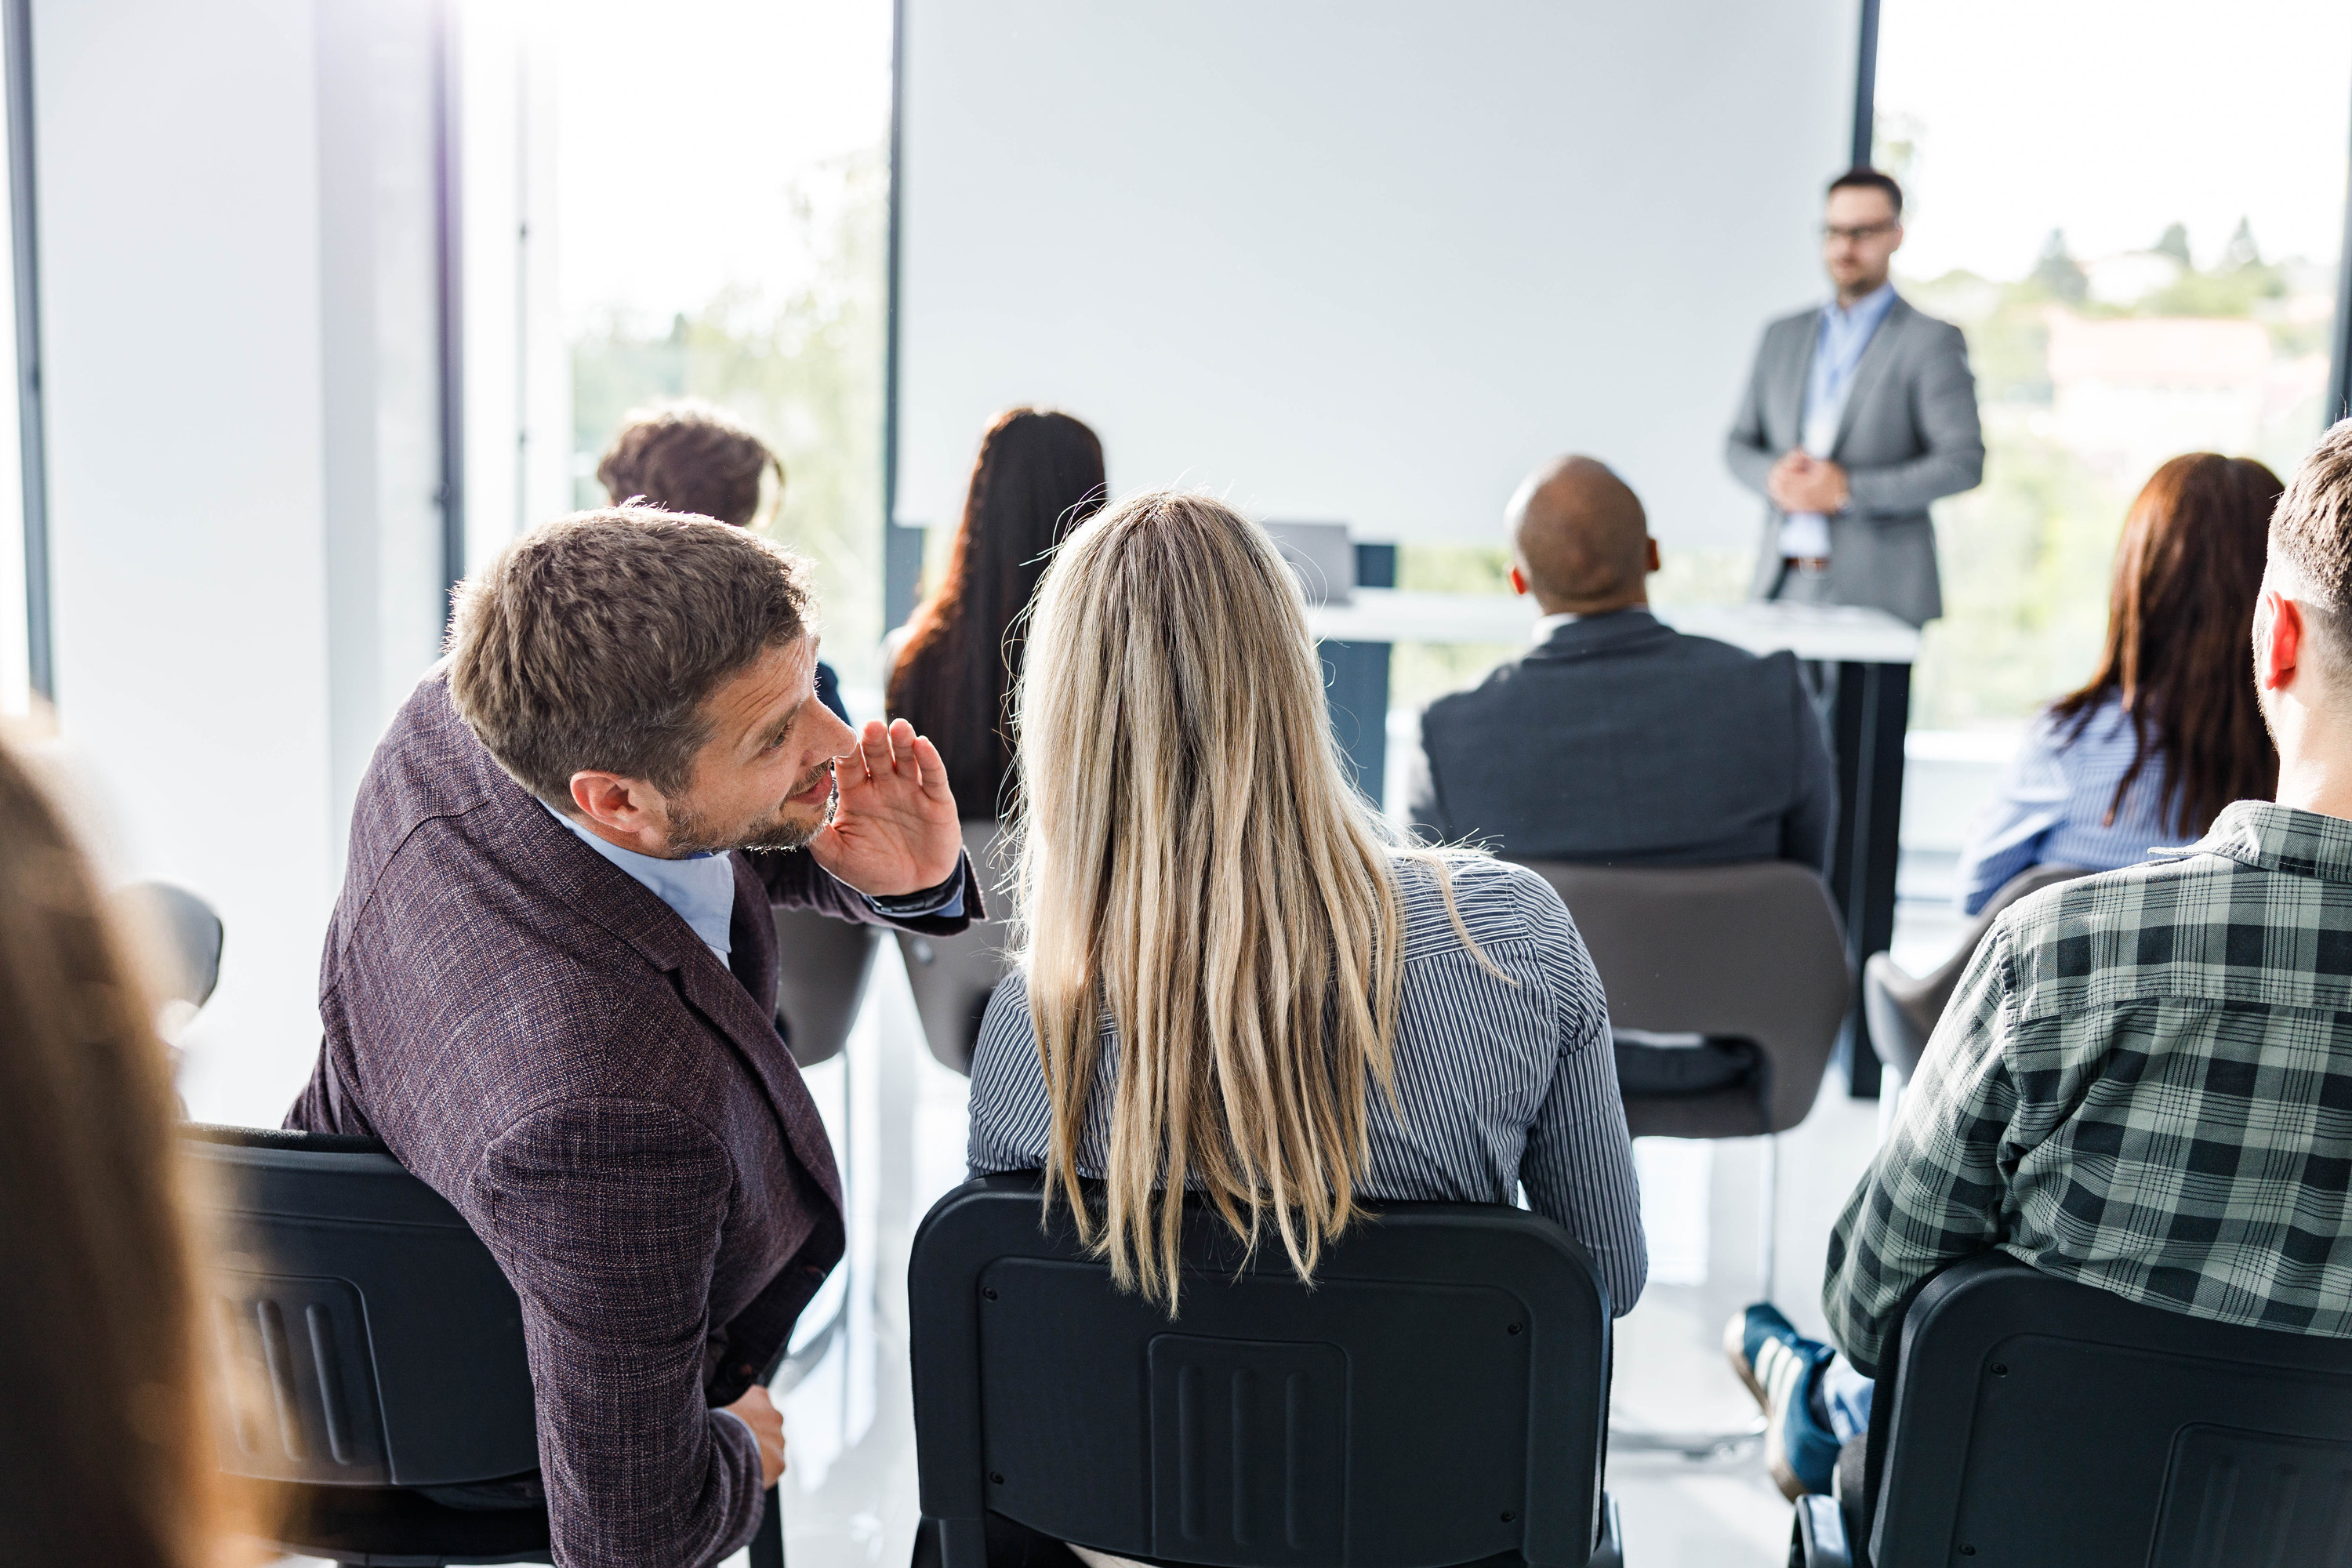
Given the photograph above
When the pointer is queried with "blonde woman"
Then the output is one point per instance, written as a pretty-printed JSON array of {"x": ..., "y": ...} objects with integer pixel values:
[{"x": 1232, "y": 976}]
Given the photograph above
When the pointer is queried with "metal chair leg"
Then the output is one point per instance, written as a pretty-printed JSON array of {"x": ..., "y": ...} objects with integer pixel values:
[
  {"x": 1714, "y": 1445},
  {"x": 768, "y": 1545}
]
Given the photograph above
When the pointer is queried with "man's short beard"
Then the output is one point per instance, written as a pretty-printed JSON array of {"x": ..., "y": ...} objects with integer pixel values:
[{"x": 689, "y": 834}]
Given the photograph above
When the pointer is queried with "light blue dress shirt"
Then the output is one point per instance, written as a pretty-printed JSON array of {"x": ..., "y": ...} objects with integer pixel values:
[
  {"x": 2052, "y": 806},
  {"x": 1839, "y": 342},
  {"x": 701, "y": 888}
]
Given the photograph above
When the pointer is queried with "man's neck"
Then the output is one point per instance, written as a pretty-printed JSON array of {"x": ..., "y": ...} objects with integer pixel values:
[
  {"x": 1848, "y": 299},
  {"x": 2318, "y": 781},
  {"x": 580, "y": 823},
  {"x": 1594, "y": 607}
]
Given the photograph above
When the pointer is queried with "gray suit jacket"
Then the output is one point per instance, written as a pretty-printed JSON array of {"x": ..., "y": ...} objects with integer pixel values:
[
  {"x": 554, "y": 1051},
  {"x": 1621, "y": 741},
  {"x": 1909, "y": 436}
]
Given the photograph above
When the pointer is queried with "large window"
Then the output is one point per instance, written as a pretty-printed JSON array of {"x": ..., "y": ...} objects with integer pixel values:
[
  {"x": 2136, "y": 213},
  {"x": 724, "y": 184}
]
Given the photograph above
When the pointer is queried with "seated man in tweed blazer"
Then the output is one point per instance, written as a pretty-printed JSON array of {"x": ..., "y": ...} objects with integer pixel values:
[
  {"x": 2143, "y": 1083},
  {"x": 550, "y": 983}
]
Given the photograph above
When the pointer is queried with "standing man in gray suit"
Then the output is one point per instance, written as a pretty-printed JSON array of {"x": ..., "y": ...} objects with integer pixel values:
[{"x": 1857, "y": 414}]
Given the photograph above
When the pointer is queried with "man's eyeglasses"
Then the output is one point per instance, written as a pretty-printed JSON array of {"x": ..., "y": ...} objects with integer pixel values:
[{"x": 1865, "y": 231}]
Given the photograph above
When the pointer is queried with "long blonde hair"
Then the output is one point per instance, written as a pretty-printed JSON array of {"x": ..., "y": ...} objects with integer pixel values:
[{"x": 1195, "y": 864}]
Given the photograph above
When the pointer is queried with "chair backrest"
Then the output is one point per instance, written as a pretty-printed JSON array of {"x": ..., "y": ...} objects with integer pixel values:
[
  {"x": 192, "y": 933},
  {"x": 1751, "y": 951},
  {"x": 1945, "y": 978},
  {"x": 1438, "y": 1397},
  {"x": 2034, "y": 1421},
  {"x": 952, "y": 976},
  {"x": 1903, "y": 1010},
  {"x": 821, "y": 966},
  {"x": 384, "y": 1342}
]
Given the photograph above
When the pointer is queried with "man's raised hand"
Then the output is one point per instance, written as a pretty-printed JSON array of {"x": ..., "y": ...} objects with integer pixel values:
[{"x": 894, "y": 829}]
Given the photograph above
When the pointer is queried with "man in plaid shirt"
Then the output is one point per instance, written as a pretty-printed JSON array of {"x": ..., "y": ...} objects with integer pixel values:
[{"x": 2145, "y": 1081}]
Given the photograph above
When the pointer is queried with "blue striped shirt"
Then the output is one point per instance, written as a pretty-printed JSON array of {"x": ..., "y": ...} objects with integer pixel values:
[
  {"x": 2052, "y": 806},
  {"x": 1502, "y": 1082}
]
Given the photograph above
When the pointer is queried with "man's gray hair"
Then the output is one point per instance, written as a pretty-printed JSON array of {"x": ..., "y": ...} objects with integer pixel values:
[{"x": 593, "y": 642}]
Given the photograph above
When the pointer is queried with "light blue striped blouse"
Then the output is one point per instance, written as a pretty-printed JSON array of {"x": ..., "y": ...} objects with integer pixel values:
[
  {"x": 2052, "y": 806},
  {"x": 1502, "y": 1082}
]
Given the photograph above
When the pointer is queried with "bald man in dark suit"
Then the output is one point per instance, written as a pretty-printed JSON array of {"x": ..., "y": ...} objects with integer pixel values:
[{"x": 1616, "y": 739}]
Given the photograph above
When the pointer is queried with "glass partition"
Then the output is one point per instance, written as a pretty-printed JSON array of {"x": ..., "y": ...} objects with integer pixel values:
[
  {"x": 2136, "y": 213},
  {"x": 724, "y": 185}
]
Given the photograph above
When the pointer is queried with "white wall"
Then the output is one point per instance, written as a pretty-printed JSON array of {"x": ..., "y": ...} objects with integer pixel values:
[
  {"x": 1369, "y": 260},
  {"x": 239, "y": 407}
]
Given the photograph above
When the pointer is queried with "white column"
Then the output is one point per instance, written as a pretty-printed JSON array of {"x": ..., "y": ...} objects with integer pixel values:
[{"x": 517, "y": 374}]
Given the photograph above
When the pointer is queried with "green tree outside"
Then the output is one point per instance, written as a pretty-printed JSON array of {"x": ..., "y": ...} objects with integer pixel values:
[{"x": 805, "y": 371}]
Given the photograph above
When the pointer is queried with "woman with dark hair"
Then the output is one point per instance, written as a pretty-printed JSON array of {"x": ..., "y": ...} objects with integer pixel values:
[
  {"x": 2167, "y": 732},
  {"x": 104, "y": 1451},
  {"x": 1038, "y": 476}
]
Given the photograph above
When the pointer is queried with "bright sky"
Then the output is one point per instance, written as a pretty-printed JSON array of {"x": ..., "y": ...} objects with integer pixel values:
[
  {"x": 681, "y": 127},
  {"x": 2111, "y": 119}
]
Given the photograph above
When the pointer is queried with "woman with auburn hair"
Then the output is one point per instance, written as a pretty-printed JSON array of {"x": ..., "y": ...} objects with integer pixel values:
[
  {"x": 1232, "y": 976},
  {"x": 1039, "y": 475},
  {"x": 2167, "y": 732},
  {"x": 104, "y": 1451}
]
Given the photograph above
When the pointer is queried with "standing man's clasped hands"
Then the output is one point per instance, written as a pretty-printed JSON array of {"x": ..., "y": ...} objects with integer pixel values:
[{"x": 1801, "y": 482}]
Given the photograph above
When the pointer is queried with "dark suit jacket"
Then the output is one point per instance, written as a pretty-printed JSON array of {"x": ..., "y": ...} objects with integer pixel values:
[
  {"x": 1909, "y": 436},
  {"x": 1621, "y": 742},
  {"x": 554, "y": 1051}
]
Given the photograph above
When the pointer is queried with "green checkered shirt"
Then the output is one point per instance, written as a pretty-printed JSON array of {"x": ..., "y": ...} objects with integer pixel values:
[{"x": 2144, "y": 1083}]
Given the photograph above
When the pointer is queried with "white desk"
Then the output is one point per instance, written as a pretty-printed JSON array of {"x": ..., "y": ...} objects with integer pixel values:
[{"x": 1831, "y": 634}]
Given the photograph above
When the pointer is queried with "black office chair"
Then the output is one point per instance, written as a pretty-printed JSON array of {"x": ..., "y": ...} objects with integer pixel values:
[
  {"x": 1438, "y": 1397},
  {"x": 382, "y": 1347},
  {"x": 189, "y": 931},
  {"x": 2033, "y": 1421},
  {"x": 953, "y": 977},
  {"x": 821, "y": 966},
  {"x": 385, "y": 1350}
]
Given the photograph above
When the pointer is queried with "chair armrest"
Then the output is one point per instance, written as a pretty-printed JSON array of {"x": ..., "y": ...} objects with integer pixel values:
[
  {"x": 1851, "y": 1488},
  {"x": 1820, "y": 1538}
]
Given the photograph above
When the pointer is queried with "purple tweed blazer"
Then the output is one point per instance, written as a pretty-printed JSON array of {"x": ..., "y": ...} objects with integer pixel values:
[{"x": 554, "y": 1051}]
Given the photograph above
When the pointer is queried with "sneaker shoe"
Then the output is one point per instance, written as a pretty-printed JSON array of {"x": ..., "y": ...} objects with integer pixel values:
[{"x": 1780, "y": 1367}]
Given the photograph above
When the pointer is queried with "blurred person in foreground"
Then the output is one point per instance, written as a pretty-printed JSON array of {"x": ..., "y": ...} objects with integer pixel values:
[
  {"x": 1857, "y": 414},
  {"x": 549, "y": 988},
  {"x": 1616, "y": 739},
  {"x": 1038, "y": 476},
  {"x": 2168, "y": 731},
  {"x": 693, "y": 457},
  {"x": 105, "y": 1445},
  {"x": 2141, "y": 1082},
  {"x": 1233, "y": 976}
]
